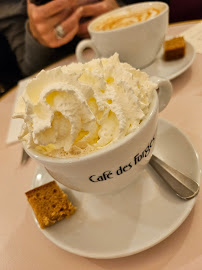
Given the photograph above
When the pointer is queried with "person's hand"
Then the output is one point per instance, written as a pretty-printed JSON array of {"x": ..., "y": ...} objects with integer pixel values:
[
  {"x": 43, "y": 20},
  {"x": 92, "y": 11}
]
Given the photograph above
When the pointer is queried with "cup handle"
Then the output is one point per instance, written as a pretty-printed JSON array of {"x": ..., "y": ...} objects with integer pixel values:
[
  {"x": 164, "y": 91},
  {"x": 82, "y": 45}
]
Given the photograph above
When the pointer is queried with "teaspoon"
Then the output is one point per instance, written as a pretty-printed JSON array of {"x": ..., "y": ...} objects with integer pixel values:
[{"x": 185, "y": 187}]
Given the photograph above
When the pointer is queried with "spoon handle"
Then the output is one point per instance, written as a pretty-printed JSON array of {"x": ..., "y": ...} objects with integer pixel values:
[{"x": 185, "y": 187}]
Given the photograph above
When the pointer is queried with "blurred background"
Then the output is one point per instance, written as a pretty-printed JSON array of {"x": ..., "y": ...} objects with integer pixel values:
[{"x": 10, "y": 71}]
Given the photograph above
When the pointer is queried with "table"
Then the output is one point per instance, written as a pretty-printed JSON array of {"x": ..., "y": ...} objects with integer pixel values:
[{"x": 23, "y": 246}]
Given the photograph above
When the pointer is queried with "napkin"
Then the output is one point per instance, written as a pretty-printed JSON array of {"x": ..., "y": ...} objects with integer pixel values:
[
  {"x": 16, "y": 124},
  {"x": 194, "y": 35}
]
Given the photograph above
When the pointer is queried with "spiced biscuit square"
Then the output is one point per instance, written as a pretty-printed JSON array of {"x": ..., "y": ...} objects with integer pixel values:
[
  {"x": 50, "y": 204},
  {"x": 174, "y": 48}
]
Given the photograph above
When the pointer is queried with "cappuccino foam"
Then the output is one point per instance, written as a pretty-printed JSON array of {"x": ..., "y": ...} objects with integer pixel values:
[{"x": 127, "y": 18}]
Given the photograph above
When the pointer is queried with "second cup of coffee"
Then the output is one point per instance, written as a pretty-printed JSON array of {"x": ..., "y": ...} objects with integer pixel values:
[{"x": 136, "y": 32}]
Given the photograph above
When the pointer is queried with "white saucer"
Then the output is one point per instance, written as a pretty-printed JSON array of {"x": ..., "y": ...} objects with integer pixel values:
[
  {"x": 136, "y": 218},
  {"x": 171, "y": 69}
]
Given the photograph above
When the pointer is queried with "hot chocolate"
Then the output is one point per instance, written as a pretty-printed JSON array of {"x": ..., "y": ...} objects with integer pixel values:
[{"x": 77, "y": 109}]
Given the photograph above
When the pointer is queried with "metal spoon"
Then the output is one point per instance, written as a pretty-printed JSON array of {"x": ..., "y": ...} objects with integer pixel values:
[{"x": 185, "y": 187}]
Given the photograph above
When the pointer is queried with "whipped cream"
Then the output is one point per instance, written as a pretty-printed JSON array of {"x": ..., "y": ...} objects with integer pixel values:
[{"x": 76, "y": 109}]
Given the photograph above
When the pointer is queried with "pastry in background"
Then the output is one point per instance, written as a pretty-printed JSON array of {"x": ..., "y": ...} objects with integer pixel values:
[{"x": 174, "y": 48}]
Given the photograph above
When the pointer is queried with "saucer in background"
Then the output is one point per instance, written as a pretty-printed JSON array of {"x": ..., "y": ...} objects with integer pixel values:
[{"x": 174, "y": 68}]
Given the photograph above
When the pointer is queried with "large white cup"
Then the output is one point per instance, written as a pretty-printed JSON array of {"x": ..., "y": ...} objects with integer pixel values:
[
  {"x": 117, "y": 165},
  {"x": 137, "y": 44}
]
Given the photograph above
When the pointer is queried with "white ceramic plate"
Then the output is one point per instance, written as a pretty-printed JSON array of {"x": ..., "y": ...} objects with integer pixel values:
[
  {"x": 136, "y": 218},
  {"x": 171, "y": 69}
]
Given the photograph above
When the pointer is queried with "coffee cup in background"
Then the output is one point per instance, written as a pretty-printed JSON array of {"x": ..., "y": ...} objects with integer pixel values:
[{"x": 136, "y": 32}]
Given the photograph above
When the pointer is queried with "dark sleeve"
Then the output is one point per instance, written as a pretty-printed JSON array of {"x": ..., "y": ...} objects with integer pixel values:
[
  {"x": 31, "y": 56},
  {"x": 35, "y": 56}
]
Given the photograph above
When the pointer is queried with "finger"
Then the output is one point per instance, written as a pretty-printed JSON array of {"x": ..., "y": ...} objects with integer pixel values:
[
  {"x": 70, "y": 26},
  {"x": 55, "y": 20},
  {"x": 94, "y": 10},
  {"x": 73, "y": 19},
  {"x": 71, "y": 22},
  {"x": 47, "y": 10},
  {"x": 67, "y": 38},
  {"x": 66, "y": 17}
]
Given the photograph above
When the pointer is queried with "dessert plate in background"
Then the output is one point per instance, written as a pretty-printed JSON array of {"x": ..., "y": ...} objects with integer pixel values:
[
  {"x": 134, "y": 219},
  {"x": 174, "y": 68}
]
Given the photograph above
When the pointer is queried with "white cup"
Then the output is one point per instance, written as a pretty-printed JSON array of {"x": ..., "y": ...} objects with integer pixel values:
[
  {"x": 117, "y": 165},
  {"x": 137, "y": 44}
]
